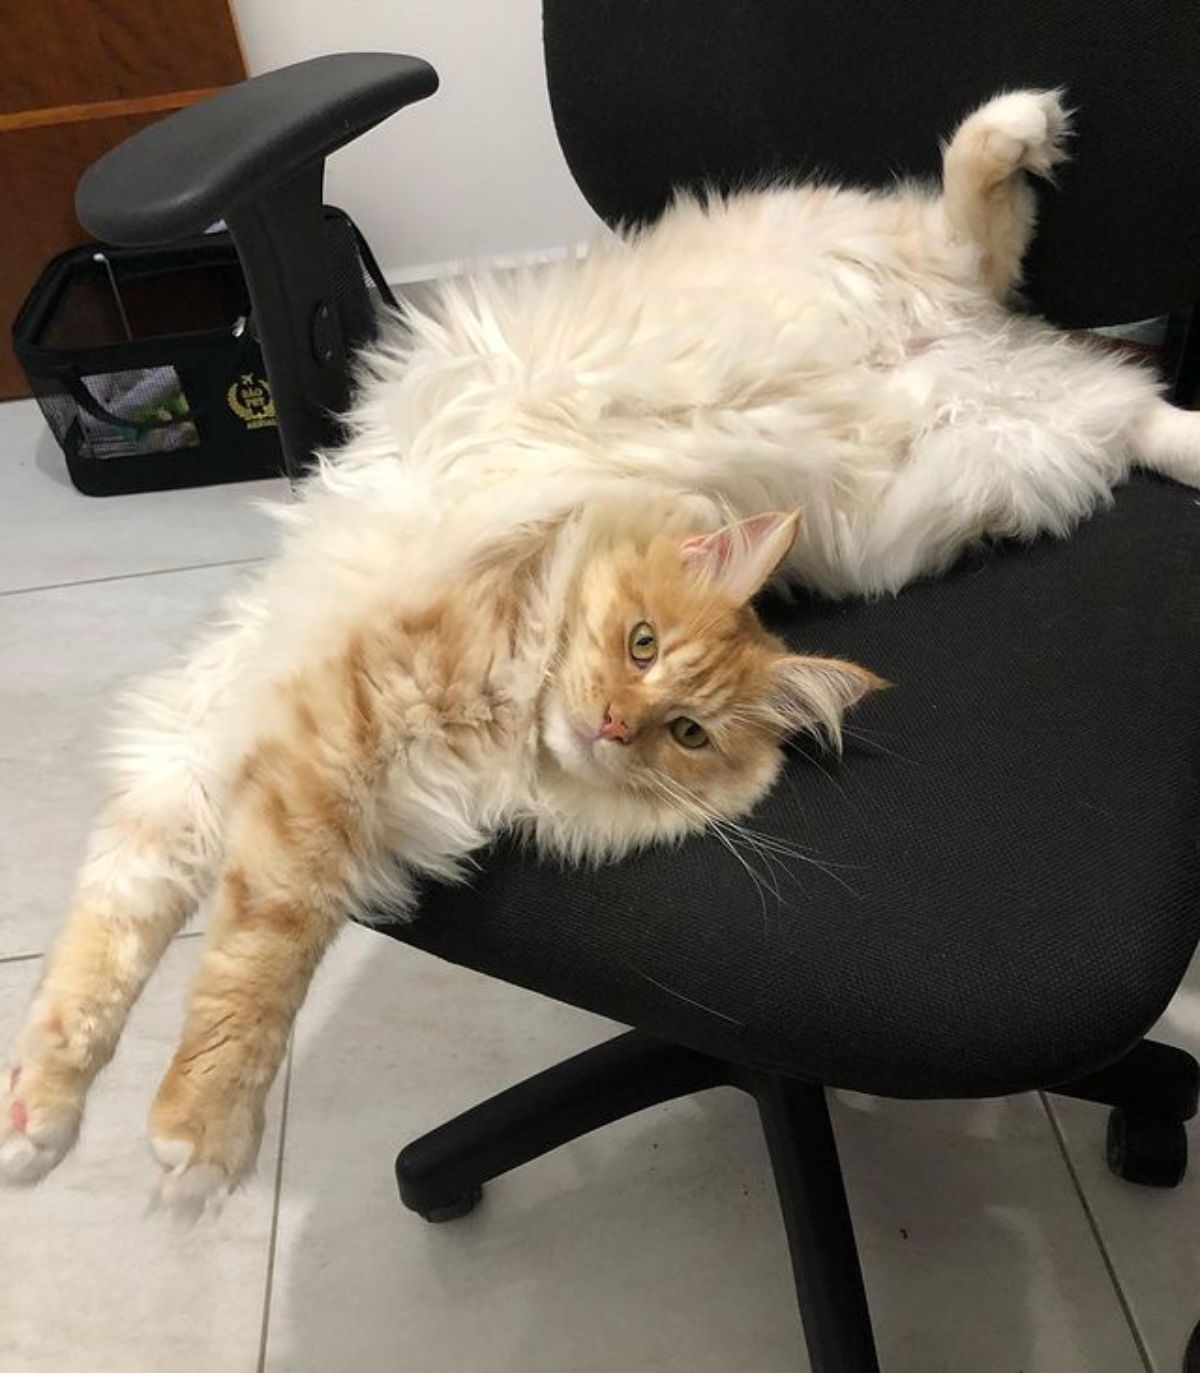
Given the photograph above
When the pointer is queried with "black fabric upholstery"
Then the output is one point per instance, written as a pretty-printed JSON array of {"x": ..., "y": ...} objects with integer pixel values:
[
  {"x": 649, "y": 96},
  {"x": 1006, "y": 877}
]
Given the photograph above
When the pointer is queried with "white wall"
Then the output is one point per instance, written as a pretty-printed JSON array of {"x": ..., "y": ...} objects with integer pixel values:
[{"x": 475, "y": 171}]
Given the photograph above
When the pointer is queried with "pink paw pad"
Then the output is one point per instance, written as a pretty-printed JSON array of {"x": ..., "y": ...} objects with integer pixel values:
[{"x": 19, "y": 1116}]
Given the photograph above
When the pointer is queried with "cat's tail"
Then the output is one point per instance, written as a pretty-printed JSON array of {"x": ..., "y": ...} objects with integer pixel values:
[{"x": 151, "y": 858}]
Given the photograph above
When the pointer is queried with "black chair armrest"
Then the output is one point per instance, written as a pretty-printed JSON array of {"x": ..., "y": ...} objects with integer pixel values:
[
  {"x": 202, "y": 164},
  {"x": 254, "y": 156}
]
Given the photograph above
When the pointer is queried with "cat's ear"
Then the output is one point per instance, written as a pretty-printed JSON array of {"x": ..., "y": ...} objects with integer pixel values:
[
  {"x": 814, "y": 693},
  {"x": 741, "y": 557}
]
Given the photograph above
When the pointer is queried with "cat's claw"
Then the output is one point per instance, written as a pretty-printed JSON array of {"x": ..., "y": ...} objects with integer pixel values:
[
  {"x": 205, "y": 1148},
  {"x": 39, "y": 1122},
  {"x": 185, "y": 1188}
]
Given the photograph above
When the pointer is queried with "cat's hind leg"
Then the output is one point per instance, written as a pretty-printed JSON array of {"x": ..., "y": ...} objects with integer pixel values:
[
  {"x": 151, "y": 857},
  {"x": 987, "y": 200}
]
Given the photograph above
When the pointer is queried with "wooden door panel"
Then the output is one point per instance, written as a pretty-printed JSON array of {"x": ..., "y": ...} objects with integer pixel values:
[
  {"x": 73, "y": 52},
  {"x": 76, "y": 77},
  {"x": 35, "y": 163}
]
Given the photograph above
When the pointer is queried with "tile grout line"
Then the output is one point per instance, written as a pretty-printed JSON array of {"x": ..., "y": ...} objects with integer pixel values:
[
  {"x": 260, "y": 1366},
  {"x": 1135, "y": 1329},
  {"x": 29, "y": 957},
  {"x": 131, "y": 576}
]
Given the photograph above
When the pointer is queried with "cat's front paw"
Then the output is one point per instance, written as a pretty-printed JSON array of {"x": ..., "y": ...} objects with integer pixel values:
[
  {"x": 205, "y": 1145},
  {"x": 40, "y": 1111}
]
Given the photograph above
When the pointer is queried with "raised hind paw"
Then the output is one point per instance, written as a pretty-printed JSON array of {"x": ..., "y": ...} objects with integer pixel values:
[
  {"x": 1018, "y": 131},
  {"x": 40, "y": 1111}
]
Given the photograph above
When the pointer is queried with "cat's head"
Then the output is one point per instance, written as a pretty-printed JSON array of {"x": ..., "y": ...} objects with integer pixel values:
[{"x": 668, "y": 692}]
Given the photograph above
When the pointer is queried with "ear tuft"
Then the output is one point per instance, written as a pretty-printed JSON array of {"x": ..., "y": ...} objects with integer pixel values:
[
  {"x": 740, "y": 558},
  {"x": 814, "y": 693}
]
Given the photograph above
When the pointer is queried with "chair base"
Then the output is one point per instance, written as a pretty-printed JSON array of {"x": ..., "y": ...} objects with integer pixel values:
[
  {"x": 441, "y": 1175},
  {"x": 1191, "y": 1358}
]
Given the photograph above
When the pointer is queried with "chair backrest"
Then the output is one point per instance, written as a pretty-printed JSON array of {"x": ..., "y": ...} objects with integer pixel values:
[{"x": 649, "y": 95}]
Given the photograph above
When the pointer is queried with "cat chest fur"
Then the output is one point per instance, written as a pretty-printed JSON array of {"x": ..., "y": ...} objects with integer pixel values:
[{"x": 404, "y": 747}]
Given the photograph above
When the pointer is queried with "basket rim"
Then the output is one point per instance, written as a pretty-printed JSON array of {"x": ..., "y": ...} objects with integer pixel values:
[{"x": 46, "y": 293}]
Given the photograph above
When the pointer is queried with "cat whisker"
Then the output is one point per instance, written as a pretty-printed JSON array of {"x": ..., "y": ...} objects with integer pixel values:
[
  {"x": 833, "y": 781},
  {"x": 691, "y": 808},
  {"x": 690, "y": 805},
  {"x": 680, "y": 996},
  {"x": 770, "y": 848},
  {"x": 864, "y": 737}
]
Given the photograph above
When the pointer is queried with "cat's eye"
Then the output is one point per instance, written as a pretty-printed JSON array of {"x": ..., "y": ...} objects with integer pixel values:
[
  {"x": 643, "y": 644},
  {"x": 688, "y": 732}
]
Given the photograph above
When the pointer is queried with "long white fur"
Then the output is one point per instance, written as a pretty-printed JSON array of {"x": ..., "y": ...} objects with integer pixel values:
[
  {"x": 831, "y": 350},
  {"x": 817, "y": 348}
]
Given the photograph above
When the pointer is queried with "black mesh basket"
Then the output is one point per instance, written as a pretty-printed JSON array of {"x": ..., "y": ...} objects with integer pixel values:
[{"x": 145, "y": 363}]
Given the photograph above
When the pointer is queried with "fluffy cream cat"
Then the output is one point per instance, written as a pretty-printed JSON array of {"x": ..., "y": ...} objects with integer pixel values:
[{"x": 521, "y": 596}]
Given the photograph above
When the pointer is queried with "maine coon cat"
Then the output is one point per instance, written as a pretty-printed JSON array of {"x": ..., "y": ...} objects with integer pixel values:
[{"x": 521, "y": 596}]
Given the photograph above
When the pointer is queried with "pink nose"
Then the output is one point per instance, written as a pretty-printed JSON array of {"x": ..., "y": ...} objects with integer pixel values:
[{"x": 614, "y": 727}]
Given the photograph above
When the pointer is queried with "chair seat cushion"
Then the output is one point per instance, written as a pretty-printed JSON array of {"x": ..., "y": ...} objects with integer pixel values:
[{"x": 997, "y": 882}]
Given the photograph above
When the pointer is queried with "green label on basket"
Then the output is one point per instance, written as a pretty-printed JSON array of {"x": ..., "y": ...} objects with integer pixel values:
[{"x": 250, "y": 400}]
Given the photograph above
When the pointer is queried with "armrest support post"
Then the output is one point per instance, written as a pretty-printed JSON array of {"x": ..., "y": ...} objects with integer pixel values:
[
  {"x": 280, "y": 239},
  {"x": 254, "y": 156}
]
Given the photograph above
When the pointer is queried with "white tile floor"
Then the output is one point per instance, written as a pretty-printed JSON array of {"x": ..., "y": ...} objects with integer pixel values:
[{"x": 992, "y": 1237}]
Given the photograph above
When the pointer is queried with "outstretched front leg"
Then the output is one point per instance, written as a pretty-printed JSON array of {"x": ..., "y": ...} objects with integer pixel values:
[
  {"x": 299, "y": 842},
  {"x": 152, "y": 857},
  {"x": 986, "y": 197}
]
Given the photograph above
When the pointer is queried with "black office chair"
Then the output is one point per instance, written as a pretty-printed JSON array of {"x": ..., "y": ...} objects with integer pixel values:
[{"x": 1004, "y": 892}]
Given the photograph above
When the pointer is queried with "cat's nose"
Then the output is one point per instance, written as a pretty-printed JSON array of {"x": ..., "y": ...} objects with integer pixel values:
[{"x": 614, "y": 727}]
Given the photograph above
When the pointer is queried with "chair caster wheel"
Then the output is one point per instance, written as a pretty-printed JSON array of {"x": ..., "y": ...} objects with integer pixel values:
[
  {"x": 453, "y": 1210},
  {"x": 1146, "y": 1150}
]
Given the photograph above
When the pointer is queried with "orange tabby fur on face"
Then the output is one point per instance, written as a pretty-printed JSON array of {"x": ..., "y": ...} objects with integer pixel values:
[{"x": 694, "y": 712}]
